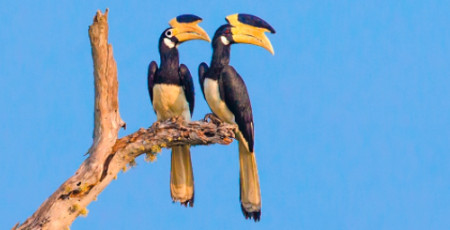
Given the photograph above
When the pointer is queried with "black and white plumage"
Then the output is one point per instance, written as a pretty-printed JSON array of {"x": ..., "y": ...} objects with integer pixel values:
[
  {"x": 174, "y": 91},
  {"x": 227, "y": 96},
  {"x": 171, "y": 91}
]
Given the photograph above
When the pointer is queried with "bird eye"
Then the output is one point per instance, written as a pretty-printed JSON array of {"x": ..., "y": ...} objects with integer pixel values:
[
  {"x": 169, "y": 33},
  {"x": 227, "y": 31}
]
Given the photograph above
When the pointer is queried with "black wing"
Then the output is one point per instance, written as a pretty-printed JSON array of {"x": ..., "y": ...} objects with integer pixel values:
[
  {"x": 152, "y": 68},
  {"x": 202, "y": 68},
  {"x": 234, "y": 92},
  {"x": 188, "y": 86}
]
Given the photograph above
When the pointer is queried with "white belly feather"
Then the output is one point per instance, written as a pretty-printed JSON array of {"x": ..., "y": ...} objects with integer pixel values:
[
  {"x": 211, "y": 89},
  {"x": 170, "y": 101}
]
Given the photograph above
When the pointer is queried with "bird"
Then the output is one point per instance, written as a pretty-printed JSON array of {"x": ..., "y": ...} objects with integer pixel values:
[
  {"x": 171, "y": 91},
  {"x": 228, "y": 98}
]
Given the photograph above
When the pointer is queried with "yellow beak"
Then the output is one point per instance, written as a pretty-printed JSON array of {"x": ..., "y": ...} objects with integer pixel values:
[
  {"x": 188, "y": 31},
  {"x": 244, "y": 33},
  {"x": 252, "y": 35}
]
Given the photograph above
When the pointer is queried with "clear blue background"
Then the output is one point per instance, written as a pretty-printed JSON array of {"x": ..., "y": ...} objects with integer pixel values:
[{"x": 351, "y": 114}]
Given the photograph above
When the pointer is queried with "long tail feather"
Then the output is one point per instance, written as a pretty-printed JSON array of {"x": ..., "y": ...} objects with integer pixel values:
[
  {"x": 249, "y": 184},
  {"x": 181, "y": 176}
]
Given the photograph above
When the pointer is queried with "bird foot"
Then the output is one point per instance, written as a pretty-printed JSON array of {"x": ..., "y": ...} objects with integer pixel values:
[
  {"x": 178, "y": 120},
  {"x": 212, "y": 118}
]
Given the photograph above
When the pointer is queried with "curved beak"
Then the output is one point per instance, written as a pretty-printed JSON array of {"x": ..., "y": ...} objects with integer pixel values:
[
  {"x": 250, "y": 33},
  {"x": 188, "y": 31}
]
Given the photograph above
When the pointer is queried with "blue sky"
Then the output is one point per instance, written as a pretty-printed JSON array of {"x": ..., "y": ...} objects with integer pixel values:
[{"x": 352, "y": 115}]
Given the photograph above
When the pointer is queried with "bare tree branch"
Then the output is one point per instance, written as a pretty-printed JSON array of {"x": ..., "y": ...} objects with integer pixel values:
[{"x": 108, "y": 155}]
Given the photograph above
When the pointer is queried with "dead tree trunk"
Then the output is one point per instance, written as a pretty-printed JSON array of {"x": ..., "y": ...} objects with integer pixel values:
[{"x": 108, "y": 155}]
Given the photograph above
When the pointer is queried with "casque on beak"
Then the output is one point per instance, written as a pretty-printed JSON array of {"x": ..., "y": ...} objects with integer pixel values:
[
  {"x": 185, "y": 31},
  {"x": 250, "y": 29}
]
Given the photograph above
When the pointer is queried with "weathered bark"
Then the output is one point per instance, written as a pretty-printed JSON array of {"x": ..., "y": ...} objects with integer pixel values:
[{"x": 108, "y": 155}]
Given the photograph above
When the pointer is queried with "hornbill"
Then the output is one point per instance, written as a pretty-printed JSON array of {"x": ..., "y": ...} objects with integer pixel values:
[
  {"x": 172, "y": 94},
  {"x": 227, "y": 96}
]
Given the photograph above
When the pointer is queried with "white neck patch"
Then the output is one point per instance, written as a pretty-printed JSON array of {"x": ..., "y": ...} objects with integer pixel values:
[
  {"x": 224, "y": 40},
  {"x": 169, "y": 43}
]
